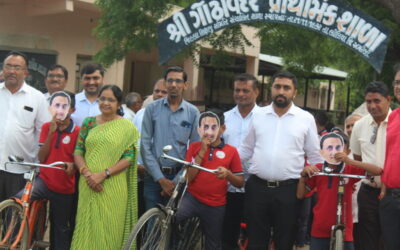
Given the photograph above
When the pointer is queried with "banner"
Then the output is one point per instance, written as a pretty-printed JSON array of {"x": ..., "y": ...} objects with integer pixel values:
[{"x": 332, "y": 18}]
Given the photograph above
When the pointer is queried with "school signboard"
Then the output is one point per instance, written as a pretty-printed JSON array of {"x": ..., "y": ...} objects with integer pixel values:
[{"x": 333, "y": 18}]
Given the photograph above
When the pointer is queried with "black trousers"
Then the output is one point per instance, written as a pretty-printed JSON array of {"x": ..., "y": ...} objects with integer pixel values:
[
  {"x": 369, "y": 227},
  {"x": 234, "y": 213},
  {"x": 210, "y": 219},
  {"x": 270, "y": 211},
  {"x": 389, "y": 210},
  {"x": 10, "y": 184}
]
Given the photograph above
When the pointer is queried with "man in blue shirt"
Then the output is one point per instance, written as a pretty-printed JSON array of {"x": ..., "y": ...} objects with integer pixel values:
[
  {"x": 167, "y": 121},
  {"x": 92, "y": 76}
]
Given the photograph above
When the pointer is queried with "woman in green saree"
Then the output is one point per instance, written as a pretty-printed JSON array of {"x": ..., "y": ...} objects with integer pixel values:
[{"x": 106, "y": 157}]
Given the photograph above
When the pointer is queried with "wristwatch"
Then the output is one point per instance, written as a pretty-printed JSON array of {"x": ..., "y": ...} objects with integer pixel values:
[{"x": 108, "y": 173}]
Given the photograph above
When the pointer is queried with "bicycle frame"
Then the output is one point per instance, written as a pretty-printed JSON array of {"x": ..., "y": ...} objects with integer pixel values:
[
  {"x": 341, "y": 189},
  {"x": 29, "y": 209}
]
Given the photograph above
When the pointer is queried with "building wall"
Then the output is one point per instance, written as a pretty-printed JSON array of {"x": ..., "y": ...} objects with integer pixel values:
[{"x": 66, "y": 33}]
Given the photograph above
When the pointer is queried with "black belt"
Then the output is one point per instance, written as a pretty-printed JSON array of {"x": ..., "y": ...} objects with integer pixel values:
[
  {"x": 395, "y": 192},
  {"x": 369, "y": 188},
  {"x": 275, "y": 184},
  {"x": 170, "y": 170}
]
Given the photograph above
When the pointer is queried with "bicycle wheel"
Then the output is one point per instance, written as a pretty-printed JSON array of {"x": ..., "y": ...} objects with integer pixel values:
[
  {"x": 337, "y": 242},
  {"x": 10, "y": 221},
  {"x": 189, "y": 235},
  {"x": 151, "y": 232}
]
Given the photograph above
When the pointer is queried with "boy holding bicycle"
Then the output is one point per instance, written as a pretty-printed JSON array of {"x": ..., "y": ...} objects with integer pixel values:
[
  {"x": 206, "y": 193},
  {"x": 57, "y": 143},
  {"x": 334, "y": 149}
]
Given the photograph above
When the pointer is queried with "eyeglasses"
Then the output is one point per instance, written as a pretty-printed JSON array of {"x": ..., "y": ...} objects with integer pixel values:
[
  {"x": 374, "y": 133},
  {"x": 14, "y": 67},
  {"x": 178, "y": 81},
  {"x": 58, "y": 76},
  {"x": 104, "y": 99},
  {"x": 396, "y": 83}
]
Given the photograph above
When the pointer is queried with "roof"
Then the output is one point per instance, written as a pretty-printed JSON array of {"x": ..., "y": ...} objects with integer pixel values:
[{"x": 320, "y": 72}]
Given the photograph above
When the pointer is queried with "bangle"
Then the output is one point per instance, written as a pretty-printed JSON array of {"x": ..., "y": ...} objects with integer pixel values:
[
  {"x": 82, "y": 169},
  {"x": 108, "y": 173}
]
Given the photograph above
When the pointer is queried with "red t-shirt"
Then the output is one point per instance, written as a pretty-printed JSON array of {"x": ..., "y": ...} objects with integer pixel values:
[
  {"x": 391, "y": 171},
  {"x": 62, "y": 149},
  {"x": 326, "y": 207},
  {"x": 206, "y": 187}
]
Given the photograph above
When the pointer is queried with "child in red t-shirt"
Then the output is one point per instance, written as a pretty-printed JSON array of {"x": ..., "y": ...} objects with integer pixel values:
[
  {"x": 57, "y": 143},
  {"x": 206, "y": 193},
  {"x": 334, "y": 149}
]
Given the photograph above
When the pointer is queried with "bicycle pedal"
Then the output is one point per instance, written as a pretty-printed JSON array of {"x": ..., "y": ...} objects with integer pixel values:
[{"x": 41, "y": 244}]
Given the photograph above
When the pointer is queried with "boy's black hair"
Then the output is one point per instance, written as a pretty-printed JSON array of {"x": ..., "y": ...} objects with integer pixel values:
[
  {"x": 333, "y": 135},
  {"x": 215, "y": 113},
  {"x": 377, "y": 87}
]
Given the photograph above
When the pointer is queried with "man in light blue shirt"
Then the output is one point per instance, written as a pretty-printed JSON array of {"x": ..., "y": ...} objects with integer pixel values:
[
  {"x": 237, "y": 120},
  {"x": 167, "y": 121},
  {"x": 92, "y": 76}
]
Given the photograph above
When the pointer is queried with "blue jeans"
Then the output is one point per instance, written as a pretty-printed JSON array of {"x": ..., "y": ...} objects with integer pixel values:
[
  {"x": 323, "y": 244},
  {"x": 152, "y": 192},
  {"x": 60, "y": 214}
]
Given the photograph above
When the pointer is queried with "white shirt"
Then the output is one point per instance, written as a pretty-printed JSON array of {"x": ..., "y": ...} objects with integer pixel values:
[
  {"x": 360, "y": 143},
  {"x": 84, "y": 108},
  {"x": 22, "y": 115},
  {"x": 137, "y": 120},
  {"x": 47, "y": 96},
  {"x": 277, "y": 145},
  {"x": 236, "y": 130},
  {"x": 128, "y": 113}
]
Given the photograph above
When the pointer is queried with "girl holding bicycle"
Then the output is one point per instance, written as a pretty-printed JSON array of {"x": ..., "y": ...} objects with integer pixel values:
[
  {"x": 334, "y": 149},
  {"x": 206, "y": 196}
]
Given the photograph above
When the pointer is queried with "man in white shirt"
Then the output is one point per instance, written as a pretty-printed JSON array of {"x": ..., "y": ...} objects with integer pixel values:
[
  {"x": 368, "y": 144},
  {"x": 159, "y": 91},
  {"x": 56, "y": 80},
  {"x": 245, "y": 92},
  {"x": 92, "y": 76},
  {"x": 280, "y": 136},
  {"x": 23, "y": 110},
  {"x": 133, "y": 103}
]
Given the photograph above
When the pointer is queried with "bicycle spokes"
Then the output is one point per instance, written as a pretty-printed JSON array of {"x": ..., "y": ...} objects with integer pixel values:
[{"x": 11, "y": 220}]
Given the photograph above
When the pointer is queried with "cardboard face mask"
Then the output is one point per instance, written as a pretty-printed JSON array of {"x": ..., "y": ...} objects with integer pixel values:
[
  {"x": 59, "y": 107},
  {"x": 331, "y": 146},
  {"x": 209, "y": 128}
]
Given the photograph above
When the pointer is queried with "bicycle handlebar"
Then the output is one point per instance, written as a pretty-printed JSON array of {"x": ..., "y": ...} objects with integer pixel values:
[
  {"x": 19, "y": 161},
  {"x": 195, "y": 165},
  {"x": 341, "y": 175}
]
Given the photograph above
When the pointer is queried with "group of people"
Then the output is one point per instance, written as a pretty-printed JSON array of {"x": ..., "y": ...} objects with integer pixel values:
[{"x": 264, "y": 159}]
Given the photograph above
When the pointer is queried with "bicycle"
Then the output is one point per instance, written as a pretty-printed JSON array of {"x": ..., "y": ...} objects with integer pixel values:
[
  {"x": 23, "y": 223},
  {"x": 338, "y": 230},
  {"x": 154, "y": 229}
]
